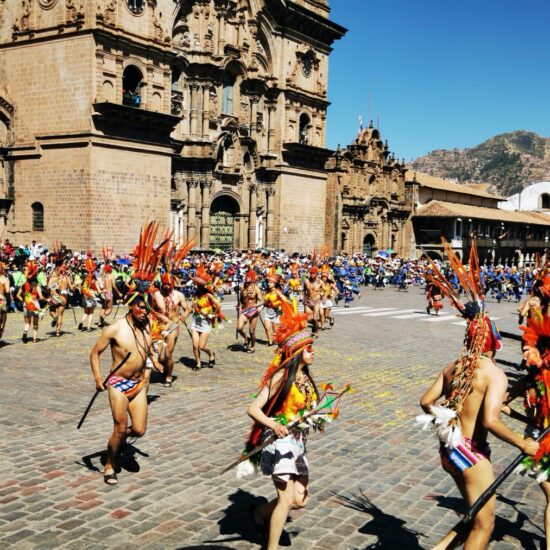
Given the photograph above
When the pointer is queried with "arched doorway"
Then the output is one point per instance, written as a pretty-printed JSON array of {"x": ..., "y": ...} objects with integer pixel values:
[
  {"x": 222, "y": 222},
  {"x": 368, "y": 245}
]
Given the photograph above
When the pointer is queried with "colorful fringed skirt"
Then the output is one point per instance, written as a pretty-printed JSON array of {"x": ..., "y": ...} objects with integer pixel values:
[{"x": 286, "y": 456}]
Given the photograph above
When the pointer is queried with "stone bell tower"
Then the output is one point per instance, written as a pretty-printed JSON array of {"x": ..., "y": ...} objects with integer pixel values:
[{"x": 86, "y": 125}]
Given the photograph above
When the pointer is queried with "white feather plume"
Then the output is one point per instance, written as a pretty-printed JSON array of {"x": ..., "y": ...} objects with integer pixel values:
[{"x": 245, "y": 469}]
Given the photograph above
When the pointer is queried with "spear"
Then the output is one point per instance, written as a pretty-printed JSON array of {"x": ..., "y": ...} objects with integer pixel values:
[
  {"x": 328, "y": 400},
  {"x": 484, "y": 497},
  {"x": 99, "y": 391}
]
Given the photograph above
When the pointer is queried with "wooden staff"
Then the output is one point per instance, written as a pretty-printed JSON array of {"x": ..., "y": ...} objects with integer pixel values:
[
  {"x": 484, "y": 497},
  {"x": 291, "y": 427},
  {"x": 99, "y": 391}
]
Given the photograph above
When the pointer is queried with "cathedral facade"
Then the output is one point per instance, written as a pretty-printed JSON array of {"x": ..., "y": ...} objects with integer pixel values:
[
  {"x": 206, "y": 115},
  {"x": 368, "y": 202}
]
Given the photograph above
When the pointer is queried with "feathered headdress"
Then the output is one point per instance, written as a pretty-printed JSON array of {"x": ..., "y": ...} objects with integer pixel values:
[
  {"x": 202, "y": 277},
  {"x": 147, "y": 259},
  {"x": 481, "y": 335},
  {"x": 107, "y": 252},
  {"x": 173, "y": 259},
  {"x": 272, "y": 275},
  {"x": 31, "y": 270}
]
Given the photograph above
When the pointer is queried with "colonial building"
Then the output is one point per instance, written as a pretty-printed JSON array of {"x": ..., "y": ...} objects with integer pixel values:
[
  {"x": 533, "y": 197},
  {"x": 461, "y": 212},
  {"x": 207, "y": 115},
  {"x": 367, "y": 205}
]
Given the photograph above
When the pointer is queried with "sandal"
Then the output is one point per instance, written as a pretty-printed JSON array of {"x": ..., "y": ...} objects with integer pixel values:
[
  {"x": 197, "y": 367},
  {"x": 168, "y": 383},
  {"x": 212, "y": 361},
  {"x": 251, "y": 350},
  {"x": 110, "y": 479}
]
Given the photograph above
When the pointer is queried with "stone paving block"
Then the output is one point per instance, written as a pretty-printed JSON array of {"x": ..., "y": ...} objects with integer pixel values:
[{"x": 198, "y": 426}]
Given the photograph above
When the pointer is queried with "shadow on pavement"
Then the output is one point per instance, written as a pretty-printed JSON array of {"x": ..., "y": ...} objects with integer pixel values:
[
  {"x": 390, "y": 530},
  {"x": 238, "y": 521},
  {"x": 126, "y": 460}
]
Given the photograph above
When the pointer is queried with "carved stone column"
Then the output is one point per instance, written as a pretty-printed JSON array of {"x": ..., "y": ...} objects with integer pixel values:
[
  {"x": 252, "y": 215},
  {"x": 194, "y": 108},
  {"x": 254, "y": 117},
  {"x": 271, "y": 109},
  {"x": 192, "y": 209},
  {"x": 205, "y": 110},
  {"x": 269, "y": 218},
  {"x": 205, "y": 213},
  {"x": 184, "y": 201},
  {"x": 221, "y": 32}
]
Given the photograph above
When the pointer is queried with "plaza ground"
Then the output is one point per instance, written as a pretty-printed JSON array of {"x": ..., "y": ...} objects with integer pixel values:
[{"x": 375, "y": 478}]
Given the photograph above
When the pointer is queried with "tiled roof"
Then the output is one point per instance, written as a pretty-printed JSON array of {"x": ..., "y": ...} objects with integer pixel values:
[
  {"x": 441, "y": 209},
  {"x": 425, "y": 180}
]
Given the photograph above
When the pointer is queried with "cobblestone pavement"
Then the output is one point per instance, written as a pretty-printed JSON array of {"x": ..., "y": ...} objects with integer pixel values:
[{"x": 375, "y": 479}]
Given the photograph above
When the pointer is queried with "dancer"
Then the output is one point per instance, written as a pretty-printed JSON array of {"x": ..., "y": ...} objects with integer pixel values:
[
  {"x": 169, "y": 302},
  {"x": 287, "y": 389},
  {"x": 130, "y": 334},
  {"x": 59, "y": 286},
  {"x": 312, "y": 298},
  {"x": 89, "y": 290},
  {"x": 31, "y": 294},
  {"x": 272, "y": 305},
  {"x": 250, "y": 298},
  {"x": 536, "y": 348},
  {"x": 474, "y": 388},
  {"x": 435, "y": 299},
  {"x": 108, "y": 289},
  {"x": 206, "y": 310},
  {"x": 4, "y": 297},
  {"x": 328, "y": 290}
]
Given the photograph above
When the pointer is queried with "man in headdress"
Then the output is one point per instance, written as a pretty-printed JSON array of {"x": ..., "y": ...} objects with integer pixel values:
[
  {"x": 250, "y": 298},
  {"x": 169, "y": 302},
  {"x": 130, "y": 334},
  {"x": 128, "y": 387},
  {"x": 474, "y": 388},
  {"x": 108, "y": 289},
  {"x": 312, "y": 298}
]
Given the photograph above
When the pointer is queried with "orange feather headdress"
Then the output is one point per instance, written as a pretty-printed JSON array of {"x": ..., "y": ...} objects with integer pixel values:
[{"x": 147, "y": 260}]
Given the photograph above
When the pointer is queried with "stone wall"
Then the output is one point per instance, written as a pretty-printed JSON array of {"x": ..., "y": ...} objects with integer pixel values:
[{"x": 301, "y": 203}]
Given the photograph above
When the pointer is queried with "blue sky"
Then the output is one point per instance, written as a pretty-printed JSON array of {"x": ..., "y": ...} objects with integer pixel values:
[{"x": 441, "y": 73}]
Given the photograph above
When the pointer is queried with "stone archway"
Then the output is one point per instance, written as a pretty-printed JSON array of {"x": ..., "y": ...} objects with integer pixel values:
[
  {"x": 368, "y": 245},
  {"x": 223, "y": 211}
]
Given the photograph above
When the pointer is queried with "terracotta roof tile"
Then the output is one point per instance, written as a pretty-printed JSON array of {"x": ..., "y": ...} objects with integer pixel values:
[
  {"x": 441, "y": 209},
  {"x": 425, "y": 180}
]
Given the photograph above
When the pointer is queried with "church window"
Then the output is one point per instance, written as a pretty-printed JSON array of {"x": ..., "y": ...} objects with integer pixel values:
[
  {"x": 135, "y": 6},
  {"x": 37, "y": 216},
  {"x": 131, "y": 86},
  {"x": 303, "y": 135},
  {"x": 545, "y": 201},
  {"x": 228, "y": 93}
]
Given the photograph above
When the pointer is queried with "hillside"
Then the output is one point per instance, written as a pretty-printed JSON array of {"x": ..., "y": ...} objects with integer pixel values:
[{"x": 509, "y": 162}]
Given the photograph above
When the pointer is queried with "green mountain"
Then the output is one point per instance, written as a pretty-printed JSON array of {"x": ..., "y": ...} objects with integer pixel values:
[{"x": 509, "y": 162}]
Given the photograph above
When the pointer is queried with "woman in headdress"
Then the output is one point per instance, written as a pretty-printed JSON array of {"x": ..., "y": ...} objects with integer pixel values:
[
  {"x": 287, "y": 390},
  {"x": 30, "y": 293},
  {"x": 89, "y": 290},
  {"x": 273, "y": 299},
  {"x": 206, "y": 311},
  {"x": 328, "y": 291}
]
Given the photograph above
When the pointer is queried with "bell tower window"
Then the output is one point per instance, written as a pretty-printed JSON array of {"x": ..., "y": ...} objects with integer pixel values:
[
  {"x": 37, "y": 216},
  {"x": 131, "y": 86}
]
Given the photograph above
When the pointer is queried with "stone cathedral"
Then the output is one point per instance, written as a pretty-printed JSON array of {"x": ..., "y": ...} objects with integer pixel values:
[{"x": 206, "y": 115}]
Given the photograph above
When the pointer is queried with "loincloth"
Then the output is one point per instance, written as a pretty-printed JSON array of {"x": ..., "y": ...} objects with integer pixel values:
[
  {"x": 128, "y": 386},
  {"x": 467, "y": 454}
]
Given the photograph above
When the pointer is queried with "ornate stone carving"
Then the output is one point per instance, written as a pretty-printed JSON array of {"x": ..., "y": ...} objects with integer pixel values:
[
  {"x": 25, "y": 19},
  {"x": 74, "y": 14},
  {"x": 108, "y": 16}
]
